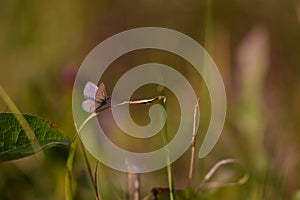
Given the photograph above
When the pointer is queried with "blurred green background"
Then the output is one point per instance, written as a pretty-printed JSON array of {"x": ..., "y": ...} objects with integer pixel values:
[{"x": 255, "y": 44}]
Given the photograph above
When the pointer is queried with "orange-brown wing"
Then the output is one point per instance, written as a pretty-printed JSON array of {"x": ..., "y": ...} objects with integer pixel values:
[{"x": 101, "y": 93}]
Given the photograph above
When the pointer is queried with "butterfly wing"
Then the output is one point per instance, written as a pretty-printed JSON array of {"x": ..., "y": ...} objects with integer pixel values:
[
  {"x": 96, "y": 96},
  {"x": 89, "y": 105},
  {"x": 90, "y": 90},
  {"x": 101, "y": 93}
]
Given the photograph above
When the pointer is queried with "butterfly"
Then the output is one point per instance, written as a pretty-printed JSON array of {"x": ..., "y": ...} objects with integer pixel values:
[{"x": 96, "y": 97}]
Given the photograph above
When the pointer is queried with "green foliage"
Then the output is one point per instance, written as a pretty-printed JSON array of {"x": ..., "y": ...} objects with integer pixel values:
[{"x": 14, "y": 142}]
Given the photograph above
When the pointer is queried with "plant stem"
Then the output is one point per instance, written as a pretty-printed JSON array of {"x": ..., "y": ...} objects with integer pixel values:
[
  {"x": 169, "y": 166},
  {"x": 68, "y": 177},
  {"x": 95, "y": 182},
  {"x": 213, "y": 170},
  {"x": 193, "y": 144},
  {"x": 93, "y": 178}
]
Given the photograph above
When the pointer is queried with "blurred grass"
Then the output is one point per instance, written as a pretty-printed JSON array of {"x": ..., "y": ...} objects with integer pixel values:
[{"x": 43, "y": 43}]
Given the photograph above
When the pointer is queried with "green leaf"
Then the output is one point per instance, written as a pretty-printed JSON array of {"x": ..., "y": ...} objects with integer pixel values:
[{"x": 14, "y": 142}]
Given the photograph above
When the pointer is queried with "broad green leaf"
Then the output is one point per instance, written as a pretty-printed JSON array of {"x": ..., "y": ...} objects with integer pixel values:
[{"x": 14, "y": 142}]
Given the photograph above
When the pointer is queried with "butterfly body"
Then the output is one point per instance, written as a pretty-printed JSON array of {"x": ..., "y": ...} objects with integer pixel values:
[{"x": 96, "y": 97}]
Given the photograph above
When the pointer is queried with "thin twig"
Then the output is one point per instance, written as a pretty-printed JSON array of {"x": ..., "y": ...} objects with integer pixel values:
[
  {"x": 93, "y": 178},
  {"x": 98, "y": 197},
  {"x": 211, "y": 172},
  {"x": 169, "y": 167},
  {"x": 86, "y": 160},
  {"x": 87, "y": 120},
  {"x": 133, "y": 186},
  {"x": 142, "y": 101},
  {"x": 193, "y": 145},
  {"x": 137, "y": 186}
]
